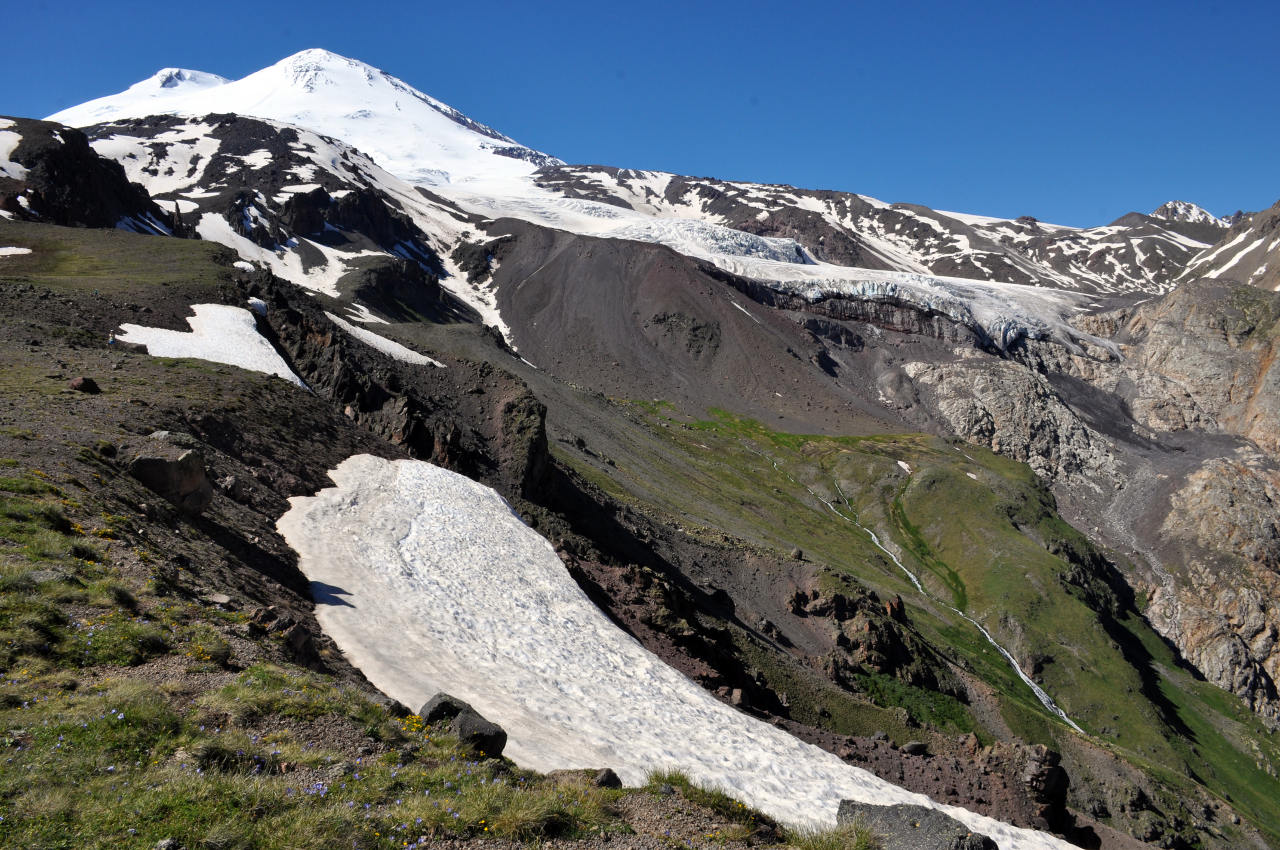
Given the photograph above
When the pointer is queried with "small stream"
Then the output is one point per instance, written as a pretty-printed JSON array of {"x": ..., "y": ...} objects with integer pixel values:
[{"x": 1045, "y": 700}]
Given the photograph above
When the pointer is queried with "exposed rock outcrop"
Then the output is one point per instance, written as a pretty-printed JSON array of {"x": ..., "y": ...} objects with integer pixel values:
[
  {"x": 1222, "y": 615},
  {"x": 1120, "y": 441},
  {"x": 68, "y": 183},
  {"x": 472, "y": 730},
  {"x": 1010, "y": 409}
]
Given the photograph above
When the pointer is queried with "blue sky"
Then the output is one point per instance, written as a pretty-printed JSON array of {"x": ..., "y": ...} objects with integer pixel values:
[{"x": 1074, "y": 112}]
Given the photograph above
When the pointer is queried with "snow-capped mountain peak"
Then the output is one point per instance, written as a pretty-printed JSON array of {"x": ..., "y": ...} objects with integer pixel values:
[
  {"x": 412, "y": 135},
  {"x": 159, "y": 93},
  {"x": 1188, "y": 212}
]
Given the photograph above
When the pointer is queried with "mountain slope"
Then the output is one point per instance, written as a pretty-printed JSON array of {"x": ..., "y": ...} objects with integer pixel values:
[
  {"x": 674, "y": 577},
  {"x": 1249, "y": 252},
  {"x": 425, "y": 142}
]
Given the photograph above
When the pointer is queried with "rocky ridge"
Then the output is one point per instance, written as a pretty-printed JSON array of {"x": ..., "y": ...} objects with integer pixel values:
[{"x": 1135, "y": 253}]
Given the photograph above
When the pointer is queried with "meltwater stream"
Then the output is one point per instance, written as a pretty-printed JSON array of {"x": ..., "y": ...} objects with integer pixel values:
[
  {"x": 1045, "y": 699},
  {"x": 429, "y": 582}
]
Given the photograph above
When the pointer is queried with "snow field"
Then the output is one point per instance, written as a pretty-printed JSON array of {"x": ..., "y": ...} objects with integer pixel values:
[
  {"x": 429, "y": 582},
  {"x": 220, "y": 334},
  {"x": 187, "y": 154}
]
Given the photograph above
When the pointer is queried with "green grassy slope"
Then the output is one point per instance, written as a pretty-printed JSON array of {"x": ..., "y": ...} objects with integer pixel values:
[{"x": 983, "y": 536}]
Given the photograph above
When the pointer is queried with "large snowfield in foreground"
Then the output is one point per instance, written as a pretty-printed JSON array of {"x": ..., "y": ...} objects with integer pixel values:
[{"x": 429, "y": 582}]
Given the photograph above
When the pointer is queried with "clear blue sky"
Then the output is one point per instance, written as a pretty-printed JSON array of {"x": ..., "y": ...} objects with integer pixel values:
[{"x": 1074, "y": 112}]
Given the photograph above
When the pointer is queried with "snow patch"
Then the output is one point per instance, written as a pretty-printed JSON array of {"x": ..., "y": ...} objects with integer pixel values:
[
  {"x": 13, "y": 252},
  {"x": 388, "y": 347},
  {"x": 428, "y": 581},
  {"x": 322, "y": 277},
  {"x": 8, "y": 143},
  {"x": 188, "y": 150},
  {"x": 220, "y": 334},
  {"x": 260, "y": 158},
  {"x": 1188, "y": 212},
  {"x": 360, "y": 313}
]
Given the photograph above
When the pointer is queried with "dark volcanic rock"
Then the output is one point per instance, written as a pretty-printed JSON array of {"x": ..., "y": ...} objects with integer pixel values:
[
  {"x": 606, "y": 778},
  {"x": 478, "y": 734},
  {"x": 400, "y": 289},
  {"x": 442, "y": 706},
  {"x": 473, "y": 731},
  {"x": 68, "y": 183},
  {"x": 904, "y": 827},
  {"x": 253, "y": 164}
]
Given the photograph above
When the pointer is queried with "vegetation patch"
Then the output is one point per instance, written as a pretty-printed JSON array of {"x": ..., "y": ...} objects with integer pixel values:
[
  {"x": 852, "y": 836},
  {"x": 711, "y": 798},
  {"x": 940, "y": 711}
]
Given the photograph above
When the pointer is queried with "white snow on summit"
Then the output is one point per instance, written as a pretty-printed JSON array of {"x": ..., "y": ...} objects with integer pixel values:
[
  {"x": 1188, "y": 212},
  {"x": 428, "y": 581},
  {"x": 424, "y": 142},
  {"x": 413, "y": 136}
]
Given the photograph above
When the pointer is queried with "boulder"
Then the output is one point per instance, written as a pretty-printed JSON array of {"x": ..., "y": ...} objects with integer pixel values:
[
  {"x": 84, "y": 385},
  {"x": 585, "y": 778},
  {"x": 904, "y": 827},
  {"x": 471, "y": 729},
  {"x": 606, "y": 778},
  {"x": 442, "y": 707},
  {"x": 173, "y": 472},
  {"x": 478, "y": 735}
]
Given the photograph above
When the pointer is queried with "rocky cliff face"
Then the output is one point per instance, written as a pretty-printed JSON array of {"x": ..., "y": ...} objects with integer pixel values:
[{"x": 1203, "y": 360}]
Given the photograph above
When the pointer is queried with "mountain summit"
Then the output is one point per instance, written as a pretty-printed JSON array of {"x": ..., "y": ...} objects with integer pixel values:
[
  {"x": 1188, "y": 212},
  {"x": 412, "y": 135}
]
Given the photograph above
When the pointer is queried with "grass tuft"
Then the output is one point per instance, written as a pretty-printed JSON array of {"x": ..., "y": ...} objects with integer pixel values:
[{"x": 854, "y": 836}]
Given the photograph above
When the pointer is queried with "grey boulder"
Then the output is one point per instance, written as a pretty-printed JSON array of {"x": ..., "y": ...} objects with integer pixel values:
[
  {"x": 904, "y": 827},
  {"x": 173, "y": 471},
  {"x": 473, "y": 731}
]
